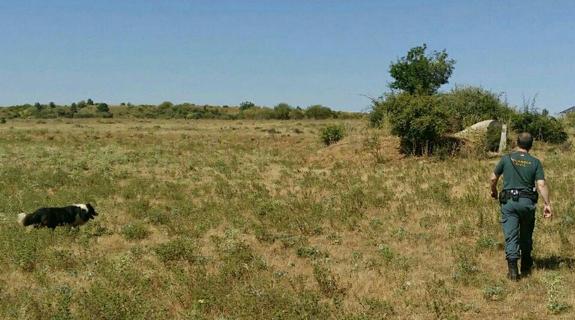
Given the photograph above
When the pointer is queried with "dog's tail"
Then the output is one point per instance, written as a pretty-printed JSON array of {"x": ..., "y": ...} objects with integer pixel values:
[{"x": 26, "y": 219}]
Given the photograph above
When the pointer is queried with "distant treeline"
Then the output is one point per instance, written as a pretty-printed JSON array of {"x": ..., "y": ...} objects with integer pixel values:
[{"x": 168, "y": 110}]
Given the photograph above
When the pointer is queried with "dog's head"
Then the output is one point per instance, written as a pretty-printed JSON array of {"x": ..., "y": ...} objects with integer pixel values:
[
  {"x": 91, "y": 210},
  {"x": 87, "y": 212}
]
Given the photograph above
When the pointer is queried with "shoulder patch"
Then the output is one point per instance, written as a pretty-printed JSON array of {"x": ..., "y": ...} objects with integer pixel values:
[{"x": 81, "y": 206}]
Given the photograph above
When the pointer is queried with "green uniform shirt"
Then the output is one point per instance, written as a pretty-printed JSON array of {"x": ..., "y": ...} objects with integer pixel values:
[{"x": 527, "y": 166}]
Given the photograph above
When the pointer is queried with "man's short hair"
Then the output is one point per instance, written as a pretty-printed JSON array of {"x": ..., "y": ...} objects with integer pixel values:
[{"x": 525, "y": 140}]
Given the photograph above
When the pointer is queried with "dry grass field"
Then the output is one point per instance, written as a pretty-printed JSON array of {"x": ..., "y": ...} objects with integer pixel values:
[{"x": 259, "y": 220}]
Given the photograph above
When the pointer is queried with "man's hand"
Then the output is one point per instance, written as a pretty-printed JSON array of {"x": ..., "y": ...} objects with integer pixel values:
[
  {"x": 544, "y": 192},
  {"x": 547, "y": 213},
  {"x": 493, "y": 185}
]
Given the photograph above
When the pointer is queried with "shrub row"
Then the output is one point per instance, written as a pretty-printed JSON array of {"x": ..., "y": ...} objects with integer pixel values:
[{"x": 168, "y": 110}]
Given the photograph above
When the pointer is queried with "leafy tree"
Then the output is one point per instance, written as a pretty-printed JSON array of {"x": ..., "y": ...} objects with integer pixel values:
[
  {"x": 52, "y": 105},
  {"x": 418, "y": 73},
  {"x": 282, "y": 111},
  {"x": 296, "y": 113},
  {"x": 73, "y": 108},
  {"x": 81, "y": 104},
  {"x": 246, "y": 105},
  {"x": 90, "y": 102},
  {"x": 103, "y": 107},
  {"x": 38, "y": 106},
  {"x": 165, "y": 105},
  {"x": 318, "y": 112}
]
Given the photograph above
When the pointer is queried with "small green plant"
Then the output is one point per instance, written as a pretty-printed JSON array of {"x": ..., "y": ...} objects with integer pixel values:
[
  {"x": 2, "y": 120},
  {"x": 327, "y": 281},
  {"x": 332, "y": 134},
  {"x": 466, "y": 268},
  {"x": 135, "y": 231},
  {"x": 486, "y": 242},
  {"x": 178, "y": 249},
  {"x": 372, "y": 144},
  {"x": 494, "y": 293},
  {"x": 555, "y": 293},
  {"x": 386, "y": 252},
  {"x": 311, "y": 252}
]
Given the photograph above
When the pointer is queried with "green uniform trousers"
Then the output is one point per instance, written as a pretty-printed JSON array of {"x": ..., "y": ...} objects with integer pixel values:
[{"x": 518, "y": 221}]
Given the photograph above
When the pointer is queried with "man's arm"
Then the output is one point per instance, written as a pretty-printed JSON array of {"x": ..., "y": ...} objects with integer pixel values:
[
  {"x": 544, "y": 192},
  {"x": 494, "y": 179}
]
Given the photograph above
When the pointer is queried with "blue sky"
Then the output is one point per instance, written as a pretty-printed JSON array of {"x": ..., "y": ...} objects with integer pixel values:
[{"x": 301, "y": 52}]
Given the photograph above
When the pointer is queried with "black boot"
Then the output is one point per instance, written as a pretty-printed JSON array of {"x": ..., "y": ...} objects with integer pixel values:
[
  {"x": 526, "y": 264},
  {"x": 513, "y": 274}
]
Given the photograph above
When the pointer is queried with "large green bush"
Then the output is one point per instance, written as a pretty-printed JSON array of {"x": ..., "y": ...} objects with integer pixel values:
[
  {"x": 419, "y": 120},
  {"x": 469, "y": 105},
  {"x": 246, "y": 105},
  {"x": 424, "y": 121},
  {"x": 377, "y": 114},
  {"x": 569, "y": 120},
  {"x": 318, "y": 112},
  {"x": 542, "y": 126},
  {"x": 282, "y": 111}
]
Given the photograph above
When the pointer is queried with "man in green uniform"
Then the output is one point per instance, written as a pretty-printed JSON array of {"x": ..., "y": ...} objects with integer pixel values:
[{"x": 522, "y": 175}]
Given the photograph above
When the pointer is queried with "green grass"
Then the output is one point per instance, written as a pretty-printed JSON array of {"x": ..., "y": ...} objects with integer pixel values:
[{"x": 259, "y": 220}]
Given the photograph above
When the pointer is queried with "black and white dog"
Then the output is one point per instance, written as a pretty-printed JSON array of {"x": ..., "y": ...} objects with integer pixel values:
[{"x": 74, "y": 215}]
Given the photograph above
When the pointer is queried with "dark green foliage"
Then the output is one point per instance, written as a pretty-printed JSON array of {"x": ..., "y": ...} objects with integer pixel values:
[
  {"x": 420, "y": 121},
  {"x": 282, "y": 111},
  {"x": 541, "y": 126},
  {"x": 332, "y": 134},
  {"x": 423, "y": 121},
  {"x": 569, "y": 120},
  {"x": 422, "y": 118},
  {"x": 296, "y": 113},
  {"x": 493, "y": 136},
  {"x": 168, "y": 110},
  {"x": 166, "y": 105},
  {"x": 318, "y": 112},
  {"x": 103, "y": 107},
  {"x": 469, "y": 105},
  {"x": 90, "y": 102},
  {"x": 2, "y": 120},
  {"x": 418, "y": 73},
  {"x": 377, "y": 114},
  {"x": 246, "y": 105}
]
